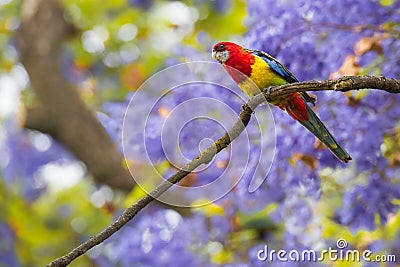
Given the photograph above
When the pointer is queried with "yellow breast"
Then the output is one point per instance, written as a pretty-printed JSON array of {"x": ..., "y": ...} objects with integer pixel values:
[{"x": 262, "y": 76}]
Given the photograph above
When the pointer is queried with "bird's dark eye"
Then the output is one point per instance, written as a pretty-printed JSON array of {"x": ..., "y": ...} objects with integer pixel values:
[{"x": 221, "y": 47}]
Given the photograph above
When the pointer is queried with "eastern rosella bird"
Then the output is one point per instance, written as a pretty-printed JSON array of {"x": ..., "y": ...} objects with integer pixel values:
[{"x": 263, "y": 70}]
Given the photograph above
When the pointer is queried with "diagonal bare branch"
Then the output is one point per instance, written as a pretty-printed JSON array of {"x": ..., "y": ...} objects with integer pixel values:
[{"x": 344, "y": 84}]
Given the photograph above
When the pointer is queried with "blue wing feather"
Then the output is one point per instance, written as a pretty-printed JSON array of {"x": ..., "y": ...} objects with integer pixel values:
[
  {"x": 281, "y": 70},
  {"x": 276, "y": 66}
]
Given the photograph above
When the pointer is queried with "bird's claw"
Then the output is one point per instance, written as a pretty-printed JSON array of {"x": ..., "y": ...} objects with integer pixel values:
[{"x": 268, "y": 90}]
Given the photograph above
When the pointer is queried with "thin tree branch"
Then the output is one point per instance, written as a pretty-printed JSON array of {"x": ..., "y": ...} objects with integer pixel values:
[{"x": 343, "y": 84}]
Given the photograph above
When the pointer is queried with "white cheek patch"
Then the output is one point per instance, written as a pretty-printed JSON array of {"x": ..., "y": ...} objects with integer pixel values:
[{"x": 223, "y": 56}]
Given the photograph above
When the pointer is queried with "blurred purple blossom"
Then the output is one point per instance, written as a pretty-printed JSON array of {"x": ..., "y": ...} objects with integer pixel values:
[
  {"x": 143, "y": 4},
  {"x": 23, "y": 153},
  {"x": 8, "y": 256},
  {"x": 158, "y": 240}
]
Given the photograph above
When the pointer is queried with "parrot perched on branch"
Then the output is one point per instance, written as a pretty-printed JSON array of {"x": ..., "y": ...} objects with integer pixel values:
[{"x": 263, "y": 70}]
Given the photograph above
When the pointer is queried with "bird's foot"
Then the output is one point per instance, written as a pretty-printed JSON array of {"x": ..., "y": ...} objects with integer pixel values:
[
  {"x": 268, "y": 90},
  {"x": 244, "y": 107}
]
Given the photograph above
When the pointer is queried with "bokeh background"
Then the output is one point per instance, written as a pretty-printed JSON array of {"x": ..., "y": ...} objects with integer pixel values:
[{"x": 67, "y": 67}]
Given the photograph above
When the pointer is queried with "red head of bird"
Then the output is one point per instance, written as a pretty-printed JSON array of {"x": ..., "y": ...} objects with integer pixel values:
[
  {"x": 225, "y": 51},
  {"x": 231, "y": 55}
]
